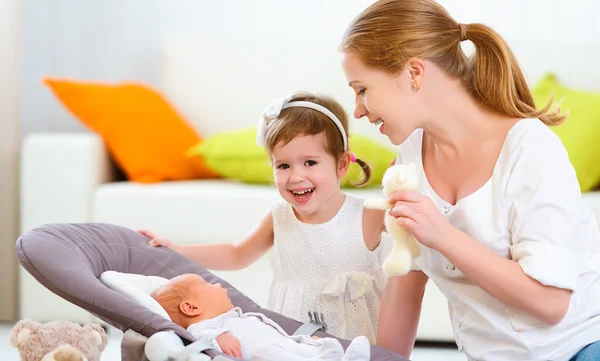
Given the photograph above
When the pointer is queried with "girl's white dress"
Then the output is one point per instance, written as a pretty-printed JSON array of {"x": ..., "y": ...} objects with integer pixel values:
[{"x": 327, "y": 268}]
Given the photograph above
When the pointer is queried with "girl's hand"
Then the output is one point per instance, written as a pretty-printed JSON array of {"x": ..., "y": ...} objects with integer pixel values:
[
  {"x": 156, "y": 241},
  {"x": 230, "y": 345},
  {"x": 146, "y": 233},
  {"x": 419, "y": 214}
]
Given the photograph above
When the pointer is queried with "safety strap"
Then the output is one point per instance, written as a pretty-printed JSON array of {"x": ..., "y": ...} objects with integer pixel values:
[
  {"x": 193, "y": 352},
  {"x": 317, "y": 322},
  {"x": 308, "y": 329}
]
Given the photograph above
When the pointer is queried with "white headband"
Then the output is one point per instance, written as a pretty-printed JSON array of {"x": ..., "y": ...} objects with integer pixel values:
[{"x": 274, "y": 108}]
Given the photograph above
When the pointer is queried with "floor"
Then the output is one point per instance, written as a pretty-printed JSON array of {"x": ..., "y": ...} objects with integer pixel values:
[{"x": 112, "y": 352}]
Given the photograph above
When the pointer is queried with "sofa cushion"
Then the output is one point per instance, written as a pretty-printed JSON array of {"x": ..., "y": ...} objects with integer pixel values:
[
  {"x": 580, "y": 133},
  {"x": 144, "y": 134}
]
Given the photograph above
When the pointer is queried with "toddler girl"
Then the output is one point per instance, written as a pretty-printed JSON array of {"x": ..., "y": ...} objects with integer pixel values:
[{"x": 326, "y": 255}]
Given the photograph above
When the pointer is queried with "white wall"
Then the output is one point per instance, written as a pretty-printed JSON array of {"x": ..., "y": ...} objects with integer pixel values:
[
  {"x": 112, "y": 40},
  {"x": 9, "y": 141}
]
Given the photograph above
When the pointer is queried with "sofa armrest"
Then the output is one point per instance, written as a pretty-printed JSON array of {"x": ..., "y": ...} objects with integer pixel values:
[{"x": 59, "y": 173}]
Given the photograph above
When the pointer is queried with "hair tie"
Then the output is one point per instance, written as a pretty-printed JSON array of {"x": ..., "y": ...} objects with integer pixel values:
[
  {"x": 274, "y": 108},
  {"x": 353, "y": 157},
  {"x": 463, "y": 32}
]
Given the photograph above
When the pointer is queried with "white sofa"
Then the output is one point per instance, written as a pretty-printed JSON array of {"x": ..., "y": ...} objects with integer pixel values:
[{"x": 69, "y": 177}]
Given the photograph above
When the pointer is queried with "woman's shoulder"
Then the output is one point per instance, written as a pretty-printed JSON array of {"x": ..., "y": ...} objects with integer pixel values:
[
  {"x": 531, "y": 130},
  {"x": 533, "y": 144},
  {"x": 534, "y": 159}
]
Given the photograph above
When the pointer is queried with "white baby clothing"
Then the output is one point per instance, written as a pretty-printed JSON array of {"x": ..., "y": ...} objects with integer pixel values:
[
  {"x": 530, "y": 211},
  {"x": 263, "y": 339},
  {"x": 327, "y": 268}
]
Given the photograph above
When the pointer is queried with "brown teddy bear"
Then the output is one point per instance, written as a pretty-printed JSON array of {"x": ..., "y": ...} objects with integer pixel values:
[{"x": 58, "y": 341}]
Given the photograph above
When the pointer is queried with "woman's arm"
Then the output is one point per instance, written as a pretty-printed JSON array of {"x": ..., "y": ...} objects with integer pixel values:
[
  {"x": 400, "y": 312},
  {"x": 231, "y": 257},
  {"x": 504, "y": 279}
]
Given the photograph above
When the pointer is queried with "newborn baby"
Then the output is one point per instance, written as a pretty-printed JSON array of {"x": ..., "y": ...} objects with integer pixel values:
[{"x": 207, "y": 313}]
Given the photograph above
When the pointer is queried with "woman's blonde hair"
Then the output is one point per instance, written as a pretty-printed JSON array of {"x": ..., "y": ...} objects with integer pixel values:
[
  {"x": 295, "y": 121},
  {"x": 390, "y": 32}
]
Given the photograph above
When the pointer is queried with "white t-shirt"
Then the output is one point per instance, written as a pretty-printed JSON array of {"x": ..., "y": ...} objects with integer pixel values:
[{"x": 530, "y": 211}]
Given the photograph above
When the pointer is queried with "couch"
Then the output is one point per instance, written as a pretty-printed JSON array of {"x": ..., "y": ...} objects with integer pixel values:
[{"x": 71, "y": 177}]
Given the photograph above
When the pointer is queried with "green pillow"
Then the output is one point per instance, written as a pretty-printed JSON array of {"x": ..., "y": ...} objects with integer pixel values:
[
  {"x": 235, "y": 155},
  {"x": 580, "y": 133}
]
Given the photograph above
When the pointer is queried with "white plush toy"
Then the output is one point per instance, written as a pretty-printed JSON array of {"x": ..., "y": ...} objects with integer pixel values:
[{"x": 397, "y": 177}]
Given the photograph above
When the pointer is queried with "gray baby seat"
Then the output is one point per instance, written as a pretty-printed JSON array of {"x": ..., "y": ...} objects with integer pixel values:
[{"x": 69, "y": 260}]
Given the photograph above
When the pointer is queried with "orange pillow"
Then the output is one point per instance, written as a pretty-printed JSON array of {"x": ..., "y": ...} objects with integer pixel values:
[{"x": 144, "y": 134}]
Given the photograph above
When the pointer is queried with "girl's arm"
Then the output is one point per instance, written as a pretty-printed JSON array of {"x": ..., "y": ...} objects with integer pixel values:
[
  {"x": 400, "y": 312},
  {"x": 373, "y": 225},
  {"x": 231, "y": 257},
  {"x": 504, "y": 279}
]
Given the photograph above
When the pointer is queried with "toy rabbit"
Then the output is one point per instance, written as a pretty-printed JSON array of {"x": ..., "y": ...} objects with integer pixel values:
[{"x": 405, "y": 249}]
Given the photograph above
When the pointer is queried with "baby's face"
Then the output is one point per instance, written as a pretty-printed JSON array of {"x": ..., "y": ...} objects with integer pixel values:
[
  {"x": 209, "y": 294},
  {"x": 212, "y": 298}
]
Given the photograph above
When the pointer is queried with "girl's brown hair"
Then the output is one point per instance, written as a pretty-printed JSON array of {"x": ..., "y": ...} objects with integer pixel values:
[
  {"x": 389, "y": 32},
  {"x": 295, "y": 121}
]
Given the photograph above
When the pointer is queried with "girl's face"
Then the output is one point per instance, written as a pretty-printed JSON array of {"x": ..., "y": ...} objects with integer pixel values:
[
  {"x": 388, "y": 101},
  {"x": 308, "y": 177}
]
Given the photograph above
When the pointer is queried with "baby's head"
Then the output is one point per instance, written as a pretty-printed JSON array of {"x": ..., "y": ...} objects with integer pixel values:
[
  {"x": 308, "y": 147},
  {"x": 189, "y": 299}
]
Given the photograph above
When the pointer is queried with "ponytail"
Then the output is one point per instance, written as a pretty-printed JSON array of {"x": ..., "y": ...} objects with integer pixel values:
[
  {"x": 496, "y": 80},
  {"x": 366, "y": 169}
]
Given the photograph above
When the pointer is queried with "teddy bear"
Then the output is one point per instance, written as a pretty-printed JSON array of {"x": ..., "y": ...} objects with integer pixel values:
[
  {"x": 405, "y": 247},
  {"x": 58, "y": 341}
]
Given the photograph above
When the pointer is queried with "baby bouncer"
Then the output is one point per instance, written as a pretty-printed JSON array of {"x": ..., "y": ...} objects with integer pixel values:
[{"x": 73, "y": 261}]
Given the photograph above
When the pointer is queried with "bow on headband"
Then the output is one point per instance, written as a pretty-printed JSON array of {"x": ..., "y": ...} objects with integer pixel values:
[
  {"x": 274, "y": 108},
  {"x": 272, "y": 111}
]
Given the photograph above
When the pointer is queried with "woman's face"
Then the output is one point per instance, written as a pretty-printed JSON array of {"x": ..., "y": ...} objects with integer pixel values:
[{"x": 388, "y": 101}]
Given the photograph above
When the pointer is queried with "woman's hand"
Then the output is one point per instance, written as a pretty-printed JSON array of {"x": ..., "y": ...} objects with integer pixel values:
[
  {"x": 419, "y": 214},
  {"x": 156, "y": 241}
]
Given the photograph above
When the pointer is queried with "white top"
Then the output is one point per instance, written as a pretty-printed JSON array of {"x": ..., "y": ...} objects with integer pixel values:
[
  {"x": 327, "y": 268},
  {"x": 531, "y": 211}
]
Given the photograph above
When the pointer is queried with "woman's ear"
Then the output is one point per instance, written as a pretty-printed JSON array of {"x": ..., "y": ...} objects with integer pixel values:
[
  {"x": 415, "y": 68},
  {"x": 190, "y": 309}
]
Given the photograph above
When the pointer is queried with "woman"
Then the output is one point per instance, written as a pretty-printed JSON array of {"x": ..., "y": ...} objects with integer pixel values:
[{"x": 499, "y": 214}]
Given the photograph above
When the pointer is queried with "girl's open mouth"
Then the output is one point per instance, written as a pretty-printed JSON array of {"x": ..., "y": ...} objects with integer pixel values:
[{"x": 302, "y": 195}]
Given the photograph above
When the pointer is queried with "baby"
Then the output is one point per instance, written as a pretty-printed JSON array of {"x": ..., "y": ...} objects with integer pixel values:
[{"x": 206, "y": 311}]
